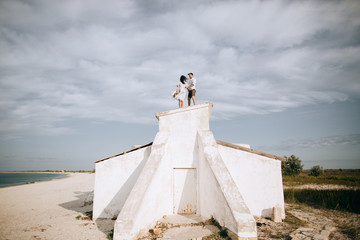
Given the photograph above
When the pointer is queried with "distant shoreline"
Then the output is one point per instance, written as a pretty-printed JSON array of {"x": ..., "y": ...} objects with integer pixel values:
[
  {"x": 65, "y": 173},
  {"x": 32, "y": 181}
]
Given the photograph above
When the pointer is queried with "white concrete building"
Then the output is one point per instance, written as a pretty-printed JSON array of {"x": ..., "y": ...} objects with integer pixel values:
[{"x": 185, "y": 170}]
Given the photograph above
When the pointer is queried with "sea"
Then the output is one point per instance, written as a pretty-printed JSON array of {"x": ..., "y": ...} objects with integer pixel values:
[{"x": 14, "y": 179}]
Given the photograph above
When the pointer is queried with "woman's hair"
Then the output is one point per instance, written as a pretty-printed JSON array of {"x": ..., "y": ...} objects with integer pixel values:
[{"x": 182, "y": 79}]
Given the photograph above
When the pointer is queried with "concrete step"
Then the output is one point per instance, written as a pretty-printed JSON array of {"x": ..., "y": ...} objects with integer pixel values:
[
  {"x": 181, "y": 227},
  {"x": 185, "y": 233},
  {"x": 182, "y": 219}
]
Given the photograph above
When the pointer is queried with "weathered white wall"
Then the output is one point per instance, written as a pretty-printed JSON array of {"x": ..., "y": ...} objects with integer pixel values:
[
  {"x": 258, "y": 178},
  {"x": 219, "y": 196},
  {"x": 114, "y": 179},
  {"x": 185, "y": 190}
]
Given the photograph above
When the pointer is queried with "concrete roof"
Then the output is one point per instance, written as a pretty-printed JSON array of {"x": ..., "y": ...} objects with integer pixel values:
[
  {"x": 250, "y": 150},
  {"x": 130, "y": 150}
]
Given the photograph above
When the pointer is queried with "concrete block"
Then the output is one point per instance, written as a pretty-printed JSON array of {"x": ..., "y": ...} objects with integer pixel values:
[{"x": 277, "y": 214}]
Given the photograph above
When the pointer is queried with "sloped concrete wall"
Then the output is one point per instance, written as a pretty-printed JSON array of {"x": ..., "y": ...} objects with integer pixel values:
[
  {"x": 258, "y": 178},
  {"x": 219, "y": 196},
  {"x": 150, "y": 198},
  {"x": 114, "y": 179}
]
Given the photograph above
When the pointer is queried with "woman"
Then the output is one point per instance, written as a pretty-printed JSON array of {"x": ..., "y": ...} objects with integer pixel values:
[{"x": 182, "y": 91}]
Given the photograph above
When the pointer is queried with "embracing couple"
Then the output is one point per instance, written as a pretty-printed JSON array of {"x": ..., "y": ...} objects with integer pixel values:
[{"x": 186, "y": 89}]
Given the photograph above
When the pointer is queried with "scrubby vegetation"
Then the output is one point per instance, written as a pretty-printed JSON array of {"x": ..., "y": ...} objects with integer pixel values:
[
  {"x": 89, "y": 214},
  {"x": 348, "y": 200},
  {"x": 316, "y": 171},
  {"x": 110, "y": 235},
  {"x": 294, "y": 221},
  {"x": 338, "y": 177},
  {"x": 222, "y": 234},
  {"x": 341, "y": 199}
]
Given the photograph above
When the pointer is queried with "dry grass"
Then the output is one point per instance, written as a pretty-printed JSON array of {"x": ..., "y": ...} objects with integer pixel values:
[
  {"x": 336, "y": 177},
  {"x": 346, "y": 200}
]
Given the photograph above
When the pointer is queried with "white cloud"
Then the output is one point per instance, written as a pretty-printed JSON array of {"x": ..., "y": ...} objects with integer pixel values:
[
  {"x": 353, "y": 139},
  {"x": 121, "y": 60}
]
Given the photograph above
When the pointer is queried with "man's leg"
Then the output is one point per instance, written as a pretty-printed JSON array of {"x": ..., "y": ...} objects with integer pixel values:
[
  {"x": 193, "y": 98},
  {"x": 190, "y": 96}
]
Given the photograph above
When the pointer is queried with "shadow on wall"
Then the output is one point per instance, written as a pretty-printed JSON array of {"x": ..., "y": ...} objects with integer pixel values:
[
  {"x": 121, "y": 196},
  {"x": 185, "y": 199},
  {"x": 83, "y": 203}
]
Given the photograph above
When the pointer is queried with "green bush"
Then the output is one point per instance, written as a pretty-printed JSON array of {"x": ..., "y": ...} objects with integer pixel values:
[
  {"x": 292, "y": 166},
  {"x": 110, "y": 235},
  {"x": 89, "y": 214},
  {"x": 316, "y": 171}
]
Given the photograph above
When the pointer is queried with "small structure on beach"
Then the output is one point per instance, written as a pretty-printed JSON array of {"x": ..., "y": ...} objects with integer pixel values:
[{"x": 186, "y": 171}]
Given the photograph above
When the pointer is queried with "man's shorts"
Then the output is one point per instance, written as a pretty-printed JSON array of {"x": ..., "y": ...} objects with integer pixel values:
[{"x": 192, "y": 93}]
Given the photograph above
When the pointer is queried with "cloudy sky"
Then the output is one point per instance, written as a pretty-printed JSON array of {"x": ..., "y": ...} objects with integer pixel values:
[{"x": 82, "y": 80}]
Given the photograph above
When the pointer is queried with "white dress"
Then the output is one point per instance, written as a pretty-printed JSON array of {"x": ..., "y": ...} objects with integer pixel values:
[{"x": 182, "y": 92}]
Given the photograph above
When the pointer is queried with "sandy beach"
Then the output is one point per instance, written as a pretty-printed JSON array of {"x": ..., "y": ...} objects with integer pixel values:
[{"x": 48, "y": 210}]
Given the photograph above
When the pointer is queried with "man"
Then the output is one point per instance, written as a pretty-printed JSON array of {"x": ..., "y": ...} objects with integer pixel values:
[{"x": 191, "y": 88}]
